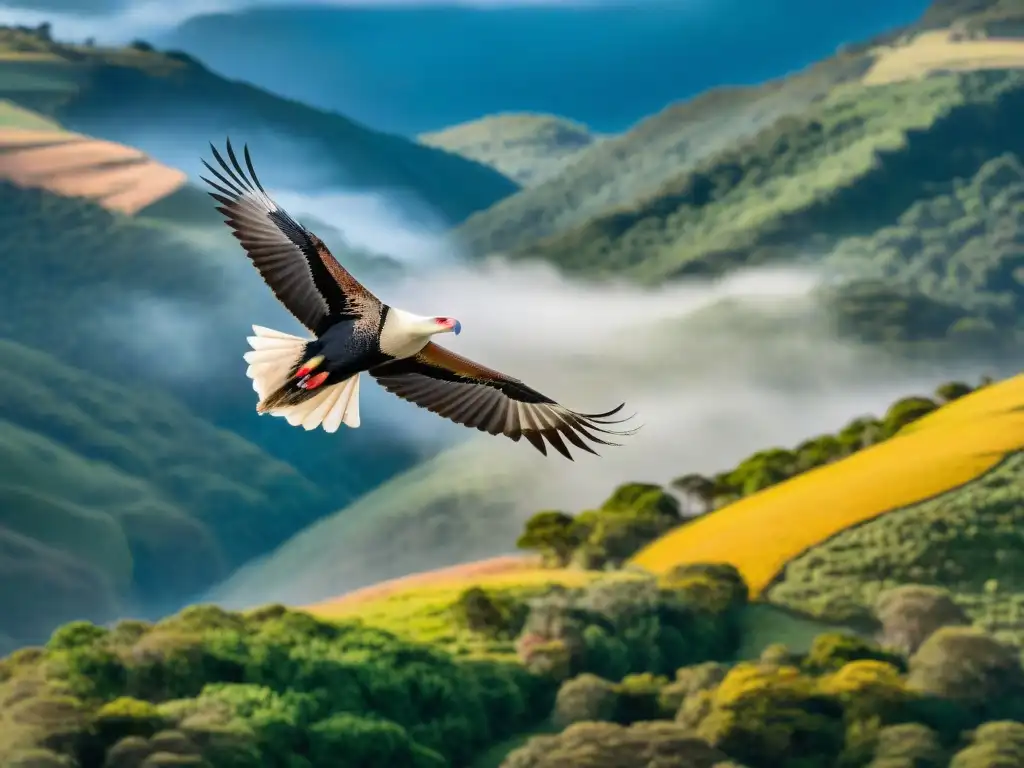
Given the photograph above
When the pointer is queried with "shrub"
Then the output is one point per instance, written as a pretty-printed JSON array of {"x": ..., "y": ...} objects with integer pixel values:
[
  {"x": 967, "y": 665},
  {"x": 496, "y": 616},
  {"x": 803, "y": 725},
  {"x": 831, "y": 651},
  {"x": 909, "y": 744},
  {"x": 909, "y": 614},
  {"x": 125, "y": 717},
  {"x": 638, "y": 698},
  {"x": 585, "y": 698},
  {"x": 606, "y": 745}
]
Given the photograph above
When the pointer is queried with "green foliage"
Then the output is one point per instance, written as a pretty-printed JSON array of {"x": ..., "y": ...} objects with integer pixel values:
[
  {"x": 910, "y": 744},
  {"x": 904, "y": 412},
  {"x": 619, "y": 627},
  {"x": 633, "y": 516},
  {"x": 909, "y": 614},
  {"x": 832, "y": 651},
  {"x": 553, "y": 535},
  {"x": 765, "y": 716},
  {"x": 497, "y": 616},
  {"x": 772, "y": 466},
  {"x": 967, "y": 665},
  {"x": 993, "y": 745},
  {"x": 715, "y": 588},
  {"x": 607, "y": 745},
  {"x": 261, "y": 692},
  {"x": 586, "y": 698},
  {"x": 967, "y": 542},
  {"x": 620, "y": 171},
  {"x": 125, "y": 717}
]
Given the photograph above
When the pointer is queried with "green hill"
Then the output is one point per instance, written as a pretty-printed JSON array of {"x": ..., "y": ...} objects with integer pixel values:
[
  {"x": 126, "y": 487},
  {"x": 623, "y": 169},
  {"x": 527, "y": 148},
  {"x": 120, "y": 94}
]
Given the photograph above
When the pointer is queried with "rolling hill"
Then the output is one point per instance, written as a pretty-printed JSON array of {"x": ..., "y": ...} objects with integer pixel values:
[
  {"x": 762, "y": 534},
  {"x": 117, "y": 500},
  {"x": 171, "y": 106},
  {"x": 525, "y": 147}
]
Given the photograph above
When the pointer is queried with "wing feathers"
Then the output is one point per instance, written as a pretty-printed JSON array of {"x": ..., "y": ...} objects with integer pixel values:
[
  {"x": 295, "y": 263},
  {"x": 469, "y": 394}
]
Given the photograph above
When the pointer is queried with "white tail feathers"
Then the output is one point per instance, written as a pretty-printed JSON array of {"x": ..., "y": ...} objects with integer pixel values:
[{"x": 271, "y": 360}]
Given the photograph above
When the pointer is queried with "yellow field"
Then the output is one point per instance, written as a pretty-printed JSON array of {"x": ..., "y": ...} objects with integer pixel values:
[
  {"x": 761, "y": 533},
  {"x": 933, "y": 51}
]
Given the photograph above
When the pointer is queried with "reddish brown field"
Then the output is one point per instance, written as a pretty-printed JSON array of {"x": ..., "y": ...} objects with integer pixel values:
[
  {"x": 455, "y": 574},
  {"x": 117, "y": 177}
]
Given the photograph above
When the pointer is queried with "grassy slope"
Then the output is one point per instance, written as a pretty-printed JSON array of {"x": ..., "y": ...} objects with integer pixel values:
[
  {"x": 527, "y": 148},
  {"x": 444, "y": 510},
  {"x": 968, "y": 540},
  {"x": 418, "y": 607},
  {"x": 128, "y": 486},
  {"x": 621, "y": 170},
  {"x": 762, "y": 533},
  {"x": 115, "y": 93},
  {"x": 845, "y": 166}
]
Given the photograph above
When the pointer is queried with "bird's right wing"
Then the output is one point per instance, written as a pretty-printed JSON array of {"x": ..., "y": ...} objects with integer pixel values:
[{"x": 295, "y": 263}]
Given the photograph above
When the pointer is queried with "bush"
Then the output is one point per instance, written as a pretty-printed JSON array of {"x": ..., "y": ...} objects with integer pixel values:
[
  {"x": 585, "y": 698},
  {"x": 126, "y": 717},
  {"x": 831, "y": 651},
  {"x": 910, "y": 744},
  {"x": 639, "y": 697},
  {"x": 768, "y": 716},
  {"x": 497, "y": 617},
  {"x": 605, "y": 745},
  {"x": 968, "y": 666},
  {"x": 909, "y": 614}
]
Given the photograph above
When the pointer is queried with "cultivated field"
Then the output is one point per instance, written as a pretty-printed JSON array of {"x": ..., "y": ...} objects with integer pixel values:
[
  {"x": 762, "y": 533},
  {"x": 936, "y": 51},
  {"x": 117, "y": 177}
]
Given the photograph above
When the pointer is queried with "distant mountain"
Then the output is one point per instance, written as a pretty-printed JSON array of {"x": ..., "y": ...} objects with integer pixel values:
[
  {"x": 413, "y": 69},
  {"x": 527, "y": 148},
  {"x": 171, "y": 106}
]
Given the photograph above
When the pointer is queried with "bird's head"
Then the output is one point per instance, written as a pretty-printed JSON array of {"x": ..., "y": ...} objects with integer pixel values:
[{"x": 444, "y": 325}]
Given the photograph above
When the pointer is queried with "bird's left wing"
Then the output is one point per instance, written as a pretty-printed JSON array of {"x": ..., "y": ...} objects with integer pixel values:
[
  {"x": 470, "y": 394},
  {"x": 295, "y": 263}
]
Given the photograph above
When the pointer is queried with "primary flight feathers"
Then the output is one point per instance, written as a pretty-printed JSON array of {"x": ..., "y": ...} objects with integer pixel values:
[{"x": 314, "y": 382}]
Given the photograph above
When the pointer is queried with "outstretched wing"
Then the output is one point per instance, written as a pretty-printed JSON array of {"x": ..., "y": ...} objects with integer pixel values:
[
  {"x": 470, "y": 394},
  {"x": 294, "y": 262}
]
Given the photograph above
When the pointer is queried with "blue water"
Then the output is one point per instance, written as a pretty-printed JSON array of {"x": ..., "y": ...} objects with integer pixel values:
[{"x": 414, "y": 69}]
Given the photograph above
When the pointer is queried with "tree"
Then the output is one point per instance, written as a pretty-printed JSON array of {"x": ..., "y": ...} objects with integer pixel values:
[
  {"x": 553, "y": 534},
  {"x": 952, "y": 390},
  {"x": 698, "y": 488},
  {"x": 904, "y": 412}
]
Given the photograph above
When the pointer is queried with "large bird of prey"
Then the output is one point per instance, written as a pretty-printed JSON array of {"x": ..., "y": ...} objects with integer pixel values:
[{"x": 314, "y": 382}]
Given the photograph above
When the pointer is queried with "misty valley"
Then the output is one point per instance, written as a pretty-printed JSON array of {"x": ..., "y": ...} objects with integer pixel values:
[{"x": 798, "y": 261}]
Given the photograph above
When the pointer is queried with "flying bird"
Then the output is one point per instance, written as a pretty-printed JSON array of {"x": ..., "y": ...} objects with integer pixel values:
[{"x": 314, "y": 382}]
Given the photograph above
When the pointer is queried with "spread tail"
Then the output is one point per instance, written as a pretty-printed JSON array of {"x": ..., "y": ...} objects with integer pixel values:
[{"x": 273, "y": 361}]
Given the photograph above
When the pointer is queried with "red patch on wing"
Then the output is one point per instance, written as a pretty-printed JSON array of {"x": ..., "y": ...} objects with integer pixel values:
[{"x": 316, "y": 381}]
